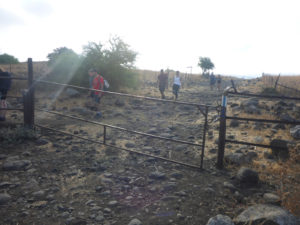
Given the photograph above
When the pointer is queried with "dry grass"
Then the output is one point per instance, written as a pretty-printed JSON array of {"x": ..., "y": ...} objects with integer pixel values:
[
  {"x": 284, "y": 175},
  {"x": 288, "y": 81}
]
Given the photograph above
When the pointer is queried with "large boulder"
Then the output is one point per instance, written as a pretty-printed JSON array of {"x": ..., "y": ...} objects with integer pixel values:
[
  {"x": 295, "y": 132},
  {"x": 280, "y": 148},
  {"x": 247, "y": 176},
  {"x": 266, "y": 214},
  {"x": 220, "y": 220},
  {"x": 135, "y": 222}
]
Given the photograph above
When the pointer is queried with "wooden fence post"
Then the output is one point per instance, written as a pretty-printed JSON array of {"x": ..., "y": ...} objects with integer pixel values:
[
  {"x": 276, "y": 82},
  {"x": 28, "y": 98},
  {"x": 222, "y": 132}
]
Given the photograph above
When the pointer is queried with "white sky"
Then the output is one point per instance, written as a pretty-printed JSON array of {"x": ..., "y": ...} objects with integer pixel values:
[{"x": 242, "y": 37}]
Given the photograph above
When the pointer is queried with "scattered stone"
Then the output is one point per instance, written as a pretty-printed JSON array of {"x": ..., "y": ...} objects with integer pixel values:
[
  {"x": 295, "y": 132},
  {"x": 247, "y": 176},
  {"x": 129, "y": 145},
  {"x": 220, "y": 220},
  {"x": 229, "y": 185},
  {"x": 286, "y": 117},
  {"x": 266, "y": 214},
  {"x": 70, "y": 92},
  {"x": 38, "y": 194},
  {"x": 41, "y": 142},
  {"x": 234, "y": 123},
  {"x": 271, "y": 198},
  {"x": 280, "y": 148},
  {"x": 119, "y": 102},
  {"x": 4, "y": 198},
  {"x": 258, "y": 139},
  {"x": 157, "y": 175},
  {"x": 16, "y": 165},
  {"x": 112, "y": 203},
  {"x": 135, "y": 222}
]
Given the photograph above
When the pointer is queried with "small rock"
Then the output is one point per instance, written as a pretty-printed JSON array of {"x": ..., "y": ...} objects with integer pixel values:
[
  {"x": 271, "y": 198},
  {"x": 220, "y": 220},
  {"x": 157, "y": 175},
  {"x": 129, "y": 145},
  {"x": 112, "y": 203},
  {"x": 16, "y": 165},
  {"x": 295, "y": 132},
  {"x": 4, "y": 198},
  {"x": 135, "y": 222},
  {"x": 234, "y": 123},
  {"x": 119, "y": 102},
  {"x": 70, "y": 92}
]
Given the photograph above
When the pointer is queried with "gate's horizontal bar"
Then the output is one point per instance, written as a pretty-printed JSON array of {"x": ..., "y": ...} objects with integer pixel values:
[
  {"x": 13, "y": 78},
  {"x": 121, "y": 128},
  {"x": 127, "y": 95},
  {"x": 12, "y": 109},
  {"x": 263, "y": 96},
  {"x": 251, "y": 144},
  {"x": 123, "y": 149},
  {"x": 263, "y": 120}
]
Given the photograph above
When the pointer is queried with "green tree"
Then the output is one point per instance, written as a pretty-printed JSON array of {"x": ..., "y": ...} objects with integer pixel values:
[
  {"x": 8, "y": 59},
  {"x": 115, "y": 63},
  {"x": 206, "y": 64},
  {"x": 63, "y": 63}
]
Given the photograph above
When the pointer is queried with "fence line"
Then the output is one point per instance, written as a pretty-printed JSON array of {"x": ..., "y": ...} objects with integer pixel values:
[{"x": 224, "y": 117}]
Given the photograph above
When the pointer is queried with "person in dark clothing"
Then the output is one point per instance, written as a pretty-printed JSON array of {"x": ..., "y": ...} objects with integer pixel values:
[
  {"x": 5, "y": 85},
  {"x": 219, "y": 82},
  {"x": 162, "y": 83},
  {"x": 212, "y": 81}
]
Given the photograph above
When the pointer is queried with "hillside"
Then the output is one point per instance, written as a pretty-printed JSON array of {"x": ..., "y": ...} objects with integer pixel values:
[{"x": 58, "y": 179}]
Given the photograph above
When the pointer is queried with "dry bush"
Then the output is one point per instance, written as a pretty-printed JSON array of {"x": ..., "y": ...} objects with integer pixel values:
[{"x": 285, "y": 176}]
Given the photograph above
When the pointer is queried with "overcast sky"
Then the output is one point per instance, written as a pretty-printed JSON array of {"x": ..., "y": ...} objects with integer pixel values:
[{"x": 242, "y": 37}]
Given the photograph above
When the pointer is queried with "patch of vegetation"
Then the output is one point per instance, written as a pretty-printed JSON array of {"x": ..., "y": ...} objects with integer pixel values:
[
  {"x": 206, "y": 64},
  {"x": 115, "y": 62},
  {"x": 8, "y": 59},
  {"x": 16, "y": 135},
  {"x": 269, "y": 91}
]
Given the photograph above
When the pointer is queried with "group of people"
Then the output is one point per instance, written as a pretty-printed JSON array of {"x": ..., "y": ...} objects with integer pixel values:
[
  {"x": 5, "y": 84},
  {"x": 213, "y": 80},
  {"x": 163, "y": 83}
]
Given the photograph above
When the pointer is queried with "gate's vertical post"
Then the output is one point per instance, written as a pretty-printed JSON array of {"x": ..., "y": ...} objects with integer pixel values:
[
  {"x": 222, "y": 132},
  {"x": 28, "y": 98},
  {"x": 276, "y": 82},
  {"x": 104, "y": 135},
  {"x": 204, "y": 136}
]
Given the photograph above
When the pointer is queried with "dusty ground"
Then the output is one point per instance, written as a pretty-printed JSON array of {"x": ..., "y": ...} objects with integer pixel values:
[{"x": 72, "y": 181}]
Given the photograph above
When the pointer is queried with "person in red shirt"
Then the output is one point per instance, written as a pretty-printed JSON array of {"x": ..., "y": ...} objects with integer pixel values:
[{"x": 96, "y": 82}]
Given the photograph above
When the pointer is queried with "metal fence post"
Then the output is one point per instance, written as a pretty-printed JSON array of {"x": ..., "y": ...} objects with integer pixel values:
[
  {"x": 28, "y": 98},
  {"x": 204, "y": 136},
  {"x": 222, "y": 132}
]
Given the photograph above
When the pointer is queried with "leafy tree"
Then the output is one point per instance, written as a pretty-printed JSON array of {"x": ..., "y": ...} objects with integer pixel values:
[
  {"x": 63, "y": 63},
  {"x": 206, "y": 64},
  {"x": 114, "y": 63},
  {"x": 8, "y": 59}
]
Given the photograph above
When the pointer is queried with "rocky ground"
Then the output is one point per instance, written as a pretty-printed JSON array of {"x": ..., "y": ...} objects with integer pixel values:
[{"x": 57, "y": 179}]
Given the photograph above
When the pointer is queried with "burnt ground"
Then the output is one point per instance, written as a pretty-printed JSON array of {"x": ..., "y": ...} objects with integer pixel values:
[{"x": 65, "y": 180}]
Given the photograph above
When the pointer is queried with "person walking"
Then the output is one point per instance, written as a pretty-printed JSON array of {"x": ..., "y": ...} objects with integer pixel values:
[
  {"x": 176, "y": 85},
  {"x": 219, "y": 82},
  {"x": 212, "y": 81},
  {"x": 5, "y": 84},
  {"x": 96, "y": 82},
  {"x": 162, "y": 83}
]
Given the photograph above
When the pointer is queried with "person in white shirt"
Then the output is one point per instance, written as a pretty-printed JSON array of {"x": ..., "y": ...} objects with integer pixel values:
[{"x": 176, "y": 85}]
